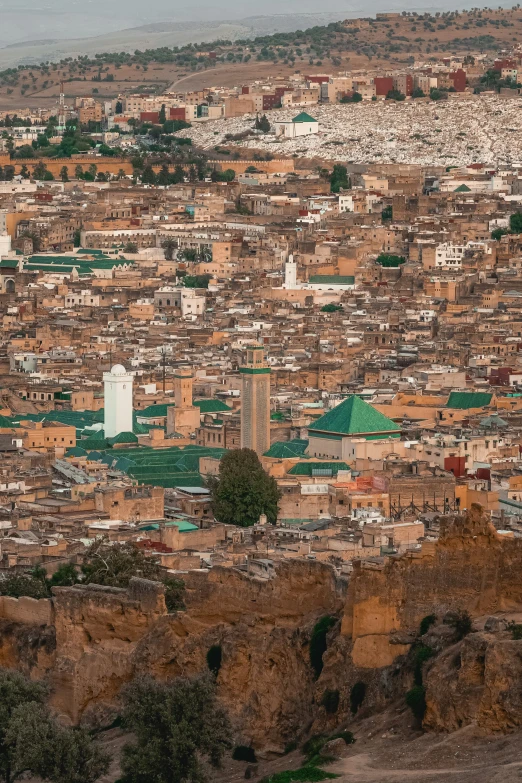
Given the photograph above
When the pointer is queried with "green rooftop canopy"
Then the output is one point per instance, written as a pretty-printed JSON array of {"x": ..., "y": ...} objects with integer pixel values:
[
  {"x": 353, "y": 416},
  {"x": 303, "y": 117}
]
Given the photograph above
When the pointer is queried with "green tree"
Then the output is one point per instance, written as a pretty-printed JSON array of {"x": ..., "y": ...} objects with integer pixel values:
[
  {"x": 418, "y": 93},
  {"x": 339, "y": 178},
  {"x": 262, "y": 124},
  {"x": 77, "y": 238},
  {"x": 223, "y": 176},
  {"x": 24, "y": 172},
  {"x": 54, "y": 753},
  {"x": 498, "y": 233},
  {"x": 387, "y": 214},
  {"x": 78, "y": 172},
  {"x": 148, "y": 177},
  {"x": 331, "y": 308},
  {"x": 515, "y": 223},
  {"x": 178, "y": 726},
  {"x": 355, "y": 97},
  {"x": 243, "y": 491},
  {"x": 114, "y": 565},
  {"x": 17, "y": 585},
  {"x": 395, "y": 95},
  {"x": 32, "y": 742},
  {"x": 130, "y": 247},
  {"x": 169, "y": 245},
  {"x": 118, "y": 109},
  {"x": 16, "y": 691},
  {"x": 39, "y": 170},
  {"x": 163, "y": 177},
  {"x": 178, "y": 175},
  {"x": 64, "y": 576},
  {"x": 162, "y": 118},
  {"x": 64, "y": 174}
]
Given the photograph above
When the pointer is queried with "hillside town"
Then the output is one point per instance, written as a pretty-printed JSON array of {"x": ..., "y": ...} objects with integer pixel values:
[{"x": 353, "y": 323}]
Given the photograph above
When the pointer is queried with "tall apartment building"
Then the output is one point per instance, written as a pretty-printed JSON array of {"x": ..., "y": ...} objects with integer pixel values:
[{"x": 255, "y": 401}]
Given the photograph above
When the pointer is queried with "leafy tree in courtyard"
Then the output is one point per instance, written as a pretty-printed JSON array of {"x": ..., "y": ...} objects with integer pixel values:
[
  {"x": 387, "y": 214},
  {"x": 130, "y": 247},
  {"x": 339, "y": 178},
  {"x": 180, "y": 729},
  {"x": 32, "y": 742},
  {"x": 243, "y": 491}
]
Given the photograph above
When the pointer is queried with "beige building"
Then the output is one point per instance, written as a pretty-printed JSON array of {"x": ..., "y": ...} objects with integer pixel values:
[{"x": 255, "y": 401}]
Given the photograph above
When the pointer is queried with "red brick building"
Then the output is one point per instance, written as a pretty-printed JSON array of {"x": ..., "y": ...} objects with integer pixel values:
[{"x": 383, "y": 85}]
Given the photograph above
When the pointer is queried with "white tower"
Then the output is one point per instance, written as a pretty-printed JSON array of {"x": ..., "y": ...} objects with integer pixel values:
[
  {"x": 118, "y": 401},
  {"x": 290, "y": 273}
]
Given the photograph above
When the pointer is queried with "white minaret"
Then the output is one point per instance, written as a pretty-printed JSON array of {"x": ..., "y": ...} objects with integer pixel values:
[
  {"x": 118, "y": 401},
  {"x": 290, "y": 273}
]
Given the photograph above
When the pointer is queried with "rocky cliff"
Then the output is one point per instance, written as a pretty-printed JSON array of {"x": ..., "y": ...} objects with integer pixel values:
[{"x": 88, "y": 641}]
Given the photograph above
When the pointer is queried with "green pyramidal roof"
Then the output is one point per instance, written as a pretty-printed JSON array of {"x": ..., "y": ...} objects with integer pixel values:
[
  {"x": 303, "y": 117},
  {"x": 354, "y": 416}
]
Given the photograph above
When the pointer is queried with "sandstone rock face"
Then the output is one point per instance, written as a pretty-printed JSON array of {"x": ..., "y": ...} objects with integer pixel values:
[
  {"x": 478, "y": 680},
  {"x": 469, "y": 568},
  {"x": 104, "y": 637},
  {"x": 88, "y": 641}
]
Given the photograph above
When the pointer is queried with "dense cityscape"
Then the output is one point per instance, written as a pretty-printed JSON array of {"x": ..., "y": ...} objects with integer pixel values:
[{"x": 261, "y": 417}]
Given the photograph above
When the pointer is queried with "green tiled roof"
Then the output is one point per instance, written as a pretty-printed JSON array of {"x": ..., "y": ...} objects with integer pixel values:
[
  {"x": 466, "y": 400},
  {"x": 154, "y": 411},
  {"x": 353, "y": 416},
  {"x": 169, "y": 467},
  {"x": 76, "y": 452},
  {"x": 211, "y": 406},
  {"x": 462, "y": 189},
  {"x": 303, "y": 117},
  {"x": 332, "y": 279},
  {"x": 123, "y": 437},
  {"x": 308, "y": 468},
  {"x": 287, "y": 449}
]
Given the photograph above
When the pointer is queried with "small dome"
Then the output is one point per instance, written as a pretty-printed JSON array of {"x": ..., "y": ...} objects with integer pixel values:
[{"x": 118, "y": 369}]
